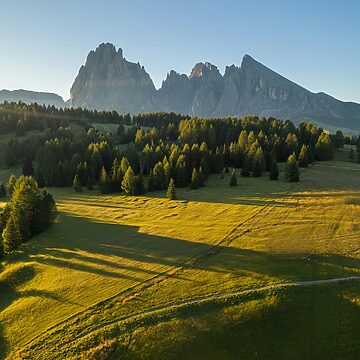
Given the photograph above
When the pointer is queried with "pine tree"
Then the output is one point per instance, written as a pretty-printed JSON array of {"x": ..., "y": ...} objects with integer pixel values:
[
  {"x": 274, "y": 170},
  {"x": 129, "y": 182},
  {"x": 304, "y": 156},
  {"x": 104, "y": 182},
  {"x": 139, "y": 185},
  {"x": 124, "y": 165},
  {"x": 12, "y": 237},
  {"x": 195, "y": 181},
  {"x": 233, "y": 179},
  {"x": 11, "y": 183},
  {"x": 77, "y": 184},
  {"x": 159, "y": 176},
  {"x": 39, "y": 178},
  {"x": 257, "y": 169},
  {"x": 2, "y": 190},
  {"x": 245, "y": 171},
  {"x": 150, "y": 184},
  {"x": 91, "y": 179},
  {"x": 292, "y": 169},
  {"x": 171, "y": 194},
  {"x": 201, "y": 177},
  {"x": 28, "y": 169}
]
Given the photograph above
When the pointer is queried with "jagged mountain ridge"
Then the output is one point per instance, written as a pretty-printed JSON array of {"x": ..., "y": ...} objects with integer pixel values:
[{"x": 108, "y": 81}]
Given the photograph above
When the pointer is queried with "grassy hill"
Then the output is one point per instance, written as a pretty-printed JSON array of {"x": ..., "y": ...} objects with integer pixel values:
[{"x": 108, "y": 257}]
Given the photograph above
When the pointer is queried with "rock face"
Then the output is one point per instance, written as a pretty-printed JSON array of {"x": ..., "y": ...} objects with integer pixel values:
[
  {"x": 109, "y": 82},
  {"x": 28, "y": 97}
]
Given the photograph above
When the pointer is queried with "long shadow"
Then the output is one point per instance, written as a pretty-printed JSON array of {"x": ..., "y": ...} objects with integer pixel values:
[{"x": 121, "y": 251}]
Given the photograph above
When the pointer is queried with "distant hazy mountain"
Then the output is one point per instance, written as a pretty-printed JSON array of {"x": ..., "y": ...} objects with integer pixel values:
[{"x": 28, "y": 97}]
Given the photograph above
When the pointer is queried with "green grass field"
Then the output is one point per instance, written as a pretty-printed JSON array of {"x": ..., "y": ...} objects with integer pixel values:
[{"x": 112, "y": 256}]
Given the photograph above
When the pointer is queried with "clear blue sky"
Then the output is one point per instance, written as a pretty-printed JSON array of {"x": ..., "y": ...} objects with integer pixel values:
[{"x": 314, "y": 43}]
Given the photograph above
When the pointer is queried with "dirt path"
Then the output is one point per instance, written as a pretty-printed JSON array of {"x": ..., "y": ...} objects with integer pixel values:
[{"x": 209, "y": 297}]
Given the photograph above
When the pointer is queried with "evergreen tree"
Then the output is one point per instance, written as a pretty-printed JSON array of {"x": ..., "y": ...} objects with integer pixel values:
[
  {"x": 124, "y": 165},
  {"x": 245, "y": 171},
  {"x": 150, "y": 184},
  {"x": 2, "y": 190},
  {"x": 39, "y": 178},
  {"x": 160, "y": 180},
  {"x": 91, "y": 179},
  {"x": 304, "y": 156},
  {"x": 12, "y": 237},
  {"x": 104, "y": 182},
  {"x": 139, "y": 185},
  {"x": 292, "y": 169},
  {"x": 28, "y": 169},
  {"x": 195, "y": 181},
  {"x": 274, "y": 170},
  {"x": 77, "y": 184},
  {"x": 129, "y": 182},
  {"x": 233, "y": 179},
  {"x": 257, "y": 169},
  {"x": 201, "y": 177},
  {"x": 11, "y": 183},
  {"x": 171, "y": 194}
]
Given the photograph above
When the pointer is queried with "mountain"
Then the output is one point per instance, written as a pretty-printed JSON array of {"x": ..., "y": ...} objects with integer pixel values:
[
  {"x": 108, "y": 81},
  {"x": 28, "y": 97}
]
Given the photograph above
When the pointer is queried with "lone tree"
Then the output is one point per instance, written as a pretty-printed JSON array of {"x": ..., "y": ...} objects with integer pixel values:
[
  {"x": 77, "y": 184},
  {"x": 274, "y": 170},
  {"x": 195, "y": 180},
  {"x": 292, "y": 169},
  {"x": 171, "y": 194},
  {"x": 233, "y": 179}
]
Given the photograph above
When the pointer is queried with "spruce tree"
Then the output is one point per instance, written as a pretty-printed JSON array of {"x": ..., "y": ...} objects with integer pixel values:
[
  {"x": 139, "y": 185},
  {"x": 292, "y": 169},
  {"x": 91, "y": 179},
  {"x": 257, "y": 169},
  {"x": 2, "y": 190},
  {"x": 150, "y": 183},
  {"x": 245, "y": 171},
  {"x": 77, "y": 184},
  {"x": 274, "y": 170},
  {"x": 159, "y": 176},
  {"x": 201, "y": 177},
  {"x": 195, "y": 181},
  {"x": 20, "y": 129},
  {"x": 12, "y": 237},
  {"x": 128, "y": 183},
  {"x": 233, "y": 179},
  {"x": 304, "y": 157},
  {"x": 104, "y": 182},
  {"x": 39, "y": 178},
  {"x": 171, "y": 194}
]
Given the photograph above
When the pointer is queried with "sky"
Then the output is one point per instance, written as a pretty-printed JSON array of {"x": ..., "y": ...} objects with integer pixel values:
[{"x": 314, "y": 43}]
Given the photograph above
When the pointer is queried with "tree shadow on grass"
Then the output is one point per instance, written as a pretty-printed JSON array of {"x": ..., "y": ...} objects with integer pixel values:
[{"x": 122, "y": 252}]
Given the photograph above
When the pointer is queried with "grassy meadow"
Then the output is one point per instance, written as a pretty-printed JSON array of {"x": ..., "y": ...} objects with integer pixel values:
[{"x": 109, "y": 256}]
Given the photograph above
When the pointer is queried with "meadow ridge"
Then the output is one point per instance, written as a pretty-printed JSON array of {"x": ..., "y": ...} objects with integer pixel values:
[{"x": 109, "y": 256}]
